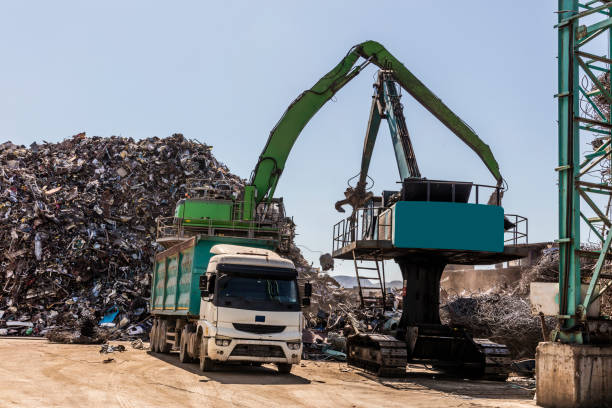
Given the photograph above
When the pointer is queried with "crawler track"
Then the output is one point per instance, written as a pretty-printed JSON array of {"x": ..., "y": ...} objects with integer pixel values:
[
  {"x": 385, "y": 356},
  {"x": 497, "y": 361},
  {"x": 379, "y": 354}
]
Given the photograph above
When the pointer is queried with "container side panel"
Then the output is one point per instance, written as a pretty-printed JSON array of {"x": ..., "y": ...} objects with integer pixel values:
[
  {"x": 159, "y": 280},
  {"x": 171, "y": 282},
  {"x": 185, "y": 276},
  {"x": 177, "y": 277}
]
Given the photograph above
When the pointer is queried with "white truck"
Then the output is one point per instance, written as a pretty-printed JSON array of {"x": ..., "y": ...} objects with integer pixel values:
[{"x": 220, "y": 303}]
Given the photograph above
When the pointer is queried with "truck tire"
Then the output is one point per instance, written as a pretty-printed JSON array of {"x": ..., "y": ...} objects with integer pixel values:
[
  {"x": 158, "y": 331},
  {"x": 206, "y": 364},
  {"x": 153, "y": 337},
  {"x": 163, "y": 345},
  {"x": 183, "y": 350},
  {"x": 284, "y": 368}
]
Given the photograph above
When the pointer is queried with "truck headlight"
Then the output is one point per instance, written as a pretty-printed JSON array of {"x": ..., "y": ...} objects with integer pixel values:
[
  {"x": 294, "y": 345},
  {"x": 222, "y": 342}
]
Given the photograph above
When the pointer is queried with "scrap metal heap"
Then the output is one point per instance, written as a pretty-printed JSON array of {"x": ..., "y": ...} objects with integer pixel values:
[{"x": 78, "y": 229}]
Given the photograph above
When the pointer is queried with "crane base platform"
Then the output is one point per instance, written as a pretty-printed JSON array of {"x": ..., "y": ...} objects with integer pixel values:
[{"x": 383, "y": 249}]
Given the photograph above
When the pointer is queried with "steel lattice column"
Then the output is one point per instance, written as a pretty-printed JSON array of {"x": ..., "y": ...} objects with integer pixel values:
[{"x": 569, "y": 158}]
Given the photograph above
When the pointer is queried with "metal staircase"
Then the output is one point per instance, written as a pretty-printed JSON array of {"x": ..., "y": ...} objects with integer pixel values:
[{"x": 380, "y": 278}]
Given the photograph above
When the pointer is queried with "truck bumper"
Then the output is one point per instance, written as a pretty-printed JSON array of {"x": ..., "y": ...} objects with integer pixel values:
[{"x": 254, "y": 350}]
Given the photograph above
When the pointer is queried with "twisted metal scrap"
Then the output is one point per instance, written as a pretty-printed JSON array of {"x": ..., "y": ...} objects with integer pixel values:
[{"x": 500, "y": 317}]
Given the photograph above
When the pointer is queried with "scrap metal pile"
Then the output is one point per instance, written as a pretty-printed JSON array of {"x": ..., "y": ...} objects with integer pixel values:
[
  {"x": 77, "y": 230},
  {"x": 501, "y": 317},
  {"x": 504, "y": 314},
  {"x": 547, "y": 270},
  {"x": 338, "y": 315},
  {"x": 327, "y": 294}
]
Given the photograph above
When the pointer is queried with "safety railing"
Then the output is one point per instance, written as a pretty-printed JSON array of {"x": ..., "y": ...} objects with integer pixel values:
[
  {"x": 170, "y": 227},
  {"x": 518, "y": 234},
  {"x": 451, "y": 191},
  {"x": 365, "y": 224}
]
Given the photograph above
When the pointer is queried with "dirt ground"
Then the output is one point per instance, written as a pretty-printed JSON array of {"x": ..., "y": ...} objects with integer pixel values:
[{"x": 35, "y": 373}]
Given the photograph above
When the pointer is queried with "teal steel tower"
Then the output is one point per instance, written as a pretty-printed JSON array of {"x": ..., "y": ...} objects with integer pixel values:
[{"x": 583, "y": 56}]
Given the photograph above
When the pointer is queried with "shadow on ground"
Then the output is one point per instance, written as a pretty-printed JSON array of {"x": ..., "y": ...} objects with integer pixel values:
[
  {"x": 457, "y": 386},
  {"x": 235, "y": 374}
]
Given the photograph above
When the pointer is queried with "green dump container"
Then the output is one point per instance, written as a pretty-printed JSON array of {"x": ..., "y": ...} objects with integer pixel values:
[{"x": 177, "y": 271}]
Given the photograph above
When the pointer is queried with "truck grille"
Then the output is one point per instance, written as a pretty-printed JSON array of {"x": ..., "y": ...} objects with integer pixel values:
[
  {"x": 257, "y": 350},
  {"x": 258, "y": 328}
]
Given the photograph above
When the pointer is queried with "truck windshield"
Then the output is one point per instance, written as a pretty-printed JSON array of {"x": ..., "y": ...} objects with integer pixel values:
[{"x": 257, "y": 293}]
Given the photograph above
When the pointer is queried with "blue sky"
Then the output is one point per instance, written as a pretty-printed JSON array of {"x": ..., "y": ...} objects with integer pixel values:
[{"x": 224, "y": 72}]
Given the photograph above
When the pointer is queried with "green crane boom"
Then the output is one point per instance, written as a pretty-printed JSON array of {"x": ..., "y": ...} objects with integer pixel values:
[{"x": 272, "y": 160}]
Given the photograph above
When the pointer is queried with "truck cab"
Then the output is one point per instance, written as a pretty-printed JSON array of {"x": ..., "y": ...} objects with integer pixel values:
[{"x": 250, "y": 310}]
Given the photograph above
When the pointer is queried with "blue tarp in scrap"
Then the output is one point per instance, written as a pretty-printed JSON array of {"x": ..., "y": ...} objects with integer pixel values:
[{"x": 110, "y": 315}]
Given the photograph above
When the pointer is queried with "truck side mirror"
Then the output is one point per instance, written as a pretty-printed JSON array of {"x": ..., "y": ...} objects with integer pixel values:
[
  {"x": 204, "y": 285},
  {"x": 306, "y": 301},
  {"x": 307, "y": 289},
  {"x": 211, "y": 284}
]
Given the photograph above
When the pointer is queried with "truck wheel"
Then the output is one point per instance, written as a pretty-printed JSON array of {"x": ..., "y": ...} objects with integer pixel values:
[
  {"x": 158, "y": 334},
  {"x": 206, "y": 364},
  {"x": 284, "y": 368},
  {"x": 153, "y": 337},
  {"x": 163, "y": 345},
  {"x": 183, "y": 352}
]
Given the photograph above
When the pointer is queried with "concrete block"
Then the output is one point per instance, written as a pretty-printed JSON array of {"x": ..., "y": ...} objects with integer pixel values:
[
  {"x": 478, "y": 279},
  {"x": 571, "y": 375},
  {"x": 544, "y": 297}
]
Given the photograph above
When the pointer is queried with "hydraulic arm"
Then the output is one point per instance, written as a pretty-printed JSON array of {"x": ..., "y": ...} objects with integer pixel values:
[
  {"x": 385, "y": 105},
  {"x": 272, "y": 160}
]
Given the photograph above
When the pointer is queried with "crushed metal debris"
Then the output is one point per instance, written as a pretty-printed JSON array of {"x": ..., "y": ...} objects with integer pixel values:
[
  {"x": 503, "y": 314},
  {"x": 78, "y": 229}
]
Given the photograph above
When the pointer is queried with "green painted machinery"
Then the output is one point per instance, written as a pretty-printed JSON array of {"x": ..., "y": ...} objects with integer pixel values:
[
  {"x": 272, "y": 160},
  {"x": 254, "y": 212},
  {"x": 423, "y": 227},
  {"x": 210, "y": 214}
]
